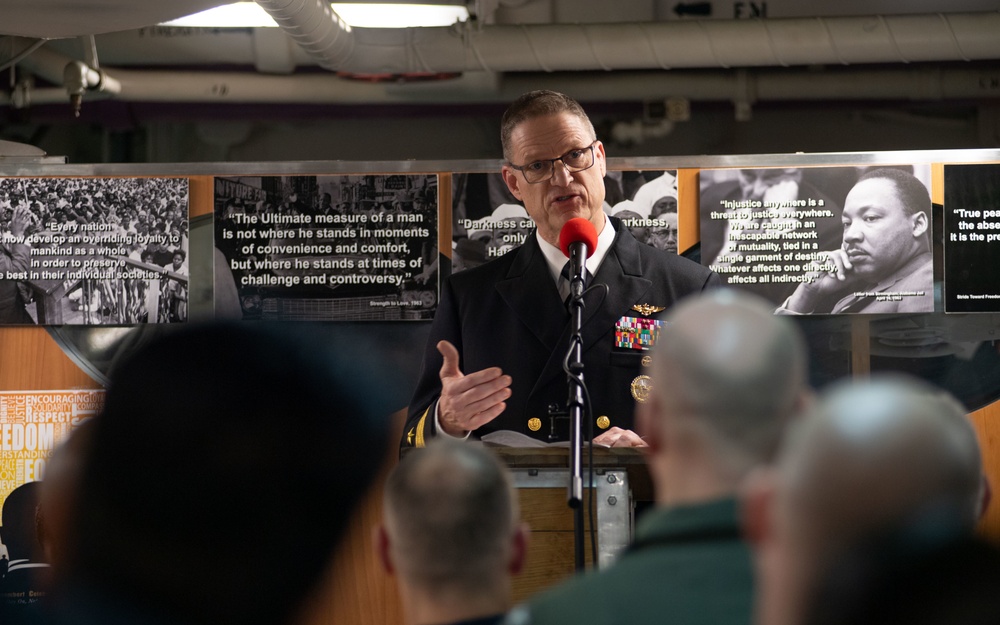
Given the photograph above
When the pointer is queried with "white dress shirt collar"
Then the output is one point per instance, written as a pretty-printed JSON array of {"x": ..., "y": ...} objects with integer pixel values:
[{"x": 556, "y": 260}]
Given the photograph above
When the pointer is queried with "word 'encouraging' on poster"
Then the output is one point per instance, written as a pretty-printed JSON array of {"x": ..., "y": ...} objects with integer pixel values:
[{"x": 32, "y": 424}]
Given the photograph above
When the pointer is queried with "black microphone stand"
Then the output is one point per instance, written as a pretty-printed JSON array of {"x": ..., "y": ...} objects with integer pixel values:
[{"x": 575, "y": 402}]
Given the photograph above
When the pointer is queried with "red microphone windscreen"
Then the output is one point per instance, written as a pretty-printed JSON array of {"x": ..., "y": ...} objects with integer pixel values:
[{"x": 576, "y": 230}]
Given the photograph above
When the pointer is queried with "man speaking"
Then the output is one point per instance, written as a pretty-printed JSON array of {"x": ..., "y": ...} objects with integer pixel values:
[{"x": 494, "y": 360}]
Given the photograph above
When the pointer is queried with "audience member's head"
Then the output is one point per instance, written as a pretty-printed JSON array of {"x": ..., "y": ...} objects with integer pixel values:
[
  {"x": 451, "y": 533},
  {"x": 24, "y": 579},
  {"x": 870, "y": 456},
  {"x": 915, "y": 574},
  {"x": 220, "y": 474},
  {"x": 727, "y": 377},
  {"x": 58, "y": 493},
  {"x": 20, "y": 529}
]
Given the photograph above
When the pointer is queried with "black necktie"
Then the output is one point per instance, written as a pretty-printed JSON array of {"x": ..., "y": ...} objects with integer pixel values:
[{"x": 565, "y": 276}]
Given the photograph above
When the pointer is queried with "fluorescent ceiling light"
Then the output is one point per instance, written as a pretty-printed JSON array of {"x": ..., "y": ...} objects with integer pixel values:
[{"x": 365, "y": 15}]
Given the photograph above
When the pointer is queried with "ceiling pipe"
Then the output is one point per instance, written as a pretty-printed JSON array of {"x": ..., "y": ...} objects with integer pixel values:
[
  {"x": 468, "y": 47},
  {"x": 76, "y": 77},
  {"x": 316, "y": 27},
  {"x": 79, "y": 78},
  {"x": 848, "y": 83}
]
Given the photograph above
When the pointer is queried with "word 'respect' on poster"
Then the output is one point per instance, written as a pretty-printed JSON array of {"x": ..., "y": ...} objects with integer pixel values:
[
  {"x": 93, "y": 251},
  {"x": 822, "y": 240},
  {"x": 345, "y": 247},
  {"x": 971, "y": 238}
]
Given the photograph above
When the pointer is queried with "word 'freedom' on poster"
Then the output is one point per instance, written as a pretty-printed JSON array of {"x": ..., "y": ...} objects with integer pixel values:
[
  {"x": 32, "y": 424},
  {"x": 328, "y": 247},
  {"x": 822, "y": 240},
  {"x": 93, "y": 251}
]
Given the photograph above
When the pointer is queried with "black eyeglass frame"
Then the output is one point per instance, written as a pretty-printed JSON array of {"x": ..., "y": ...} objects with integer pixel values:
[{"x": 552, "y": 164}]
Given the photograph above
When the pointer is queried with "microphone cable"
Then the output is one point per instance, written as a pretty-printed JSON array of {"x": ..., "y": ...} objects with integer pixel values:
[{"x": 588, "y": 416}]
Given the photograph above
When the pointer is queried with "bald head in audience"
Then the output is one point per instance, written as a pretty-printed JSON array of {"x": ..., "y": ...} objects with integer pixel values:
[
  {"x": 870, "y": 456},
  {"x": 727, "y": 378},
  {"x": 451, "y": 534}
]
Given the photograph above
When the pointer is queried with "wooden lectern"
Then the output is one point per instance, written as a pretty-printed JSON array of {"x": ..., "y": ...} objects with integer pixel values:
[{"x": 541, "y": 475}]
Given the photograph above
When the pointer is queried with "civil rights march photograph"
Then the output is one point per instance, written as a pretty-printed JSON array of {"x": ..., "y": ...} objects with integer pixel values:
[{"x": 93, "y": 251}]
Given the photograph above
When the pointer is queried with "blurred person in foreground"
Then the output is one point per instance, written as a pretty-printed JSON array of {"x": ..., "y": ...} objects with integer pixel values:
[
  {"x": 24, "y": 584},
  {"x": 871, "y": 457},
  {"x": 217, "y": 444},
  {"x": 727, "y": 378},
  {"x": 915, "y": 574},
  {"x": 451, "y": 535}
]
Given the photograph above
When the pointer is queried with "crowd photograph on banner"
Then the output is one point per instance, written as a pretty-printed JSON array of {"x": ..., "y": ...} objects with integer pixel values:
[{"x": 93, "y": 251}]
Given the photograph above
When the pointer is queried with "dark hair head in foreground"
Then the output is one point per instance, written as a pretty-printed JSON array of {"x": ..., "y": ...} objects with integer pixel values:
[
  {"x": 918, "y": 574},
  {"x": 222, "y": 471}
]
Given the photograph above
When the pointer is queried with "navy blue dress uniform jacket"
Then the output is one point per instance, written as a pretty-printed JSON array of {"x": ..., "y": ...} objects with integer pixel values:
[{"x": 508, "y": 313}]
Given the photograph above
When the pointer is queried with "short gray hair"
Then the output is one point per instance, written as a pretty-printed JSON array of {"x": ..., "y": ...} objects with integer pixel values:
[
  {"x": 450, "y": 512},
  {"x": 873, "y": 454},
  {"x": 536, "y": 104},
  {"x": 737, "y": 369}
]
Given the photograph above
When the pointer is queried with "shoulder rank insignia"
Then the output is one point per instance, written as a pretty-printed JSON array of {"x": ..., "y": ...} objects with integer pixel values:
[{"x": 647, "y": 309}]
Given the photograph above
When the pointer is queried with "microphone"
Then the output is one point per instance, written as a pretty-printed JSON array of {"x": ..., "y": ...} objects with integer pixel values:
[{"x": 577, "y": 240}]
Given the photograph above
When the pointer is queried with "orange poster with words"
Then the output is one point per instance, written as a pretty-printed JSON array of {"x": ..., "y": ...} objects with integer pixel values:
[{"x": 32, "y": 424}]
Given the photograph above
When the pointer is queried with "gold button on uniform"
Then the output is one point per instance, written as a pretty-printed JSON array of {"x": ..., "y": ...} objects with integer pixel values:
[
  {"x": 534, "y": 424},
  {"x": 603, "y": 422},
  {"x": 647, "y": 360}
]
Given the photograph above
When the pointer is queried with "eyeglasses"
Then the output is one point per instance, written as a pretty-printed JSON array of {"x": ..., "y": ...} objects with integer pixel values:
[
  {"x": 664, "y": 233},
  {"x": 574, "y": 160}
]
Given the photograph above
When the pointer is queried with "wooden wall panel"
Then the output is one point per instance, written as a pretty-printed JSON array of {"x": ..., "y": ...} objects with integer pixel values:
[
  {"x": 688, "y": 211},
  {"x": 200, "y": 196},
  {"x": 987, "y": 423},
  {"x": 31, "y": 360},
  {"x": 357, "y": 589}
]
